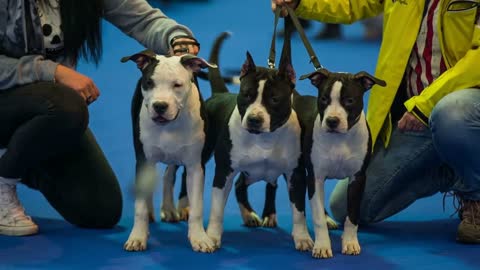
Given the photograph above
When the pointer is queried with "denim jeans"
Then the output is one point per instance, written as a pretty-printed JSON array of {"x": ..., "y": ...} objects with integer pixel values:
[{"x": 443, "y": 157}]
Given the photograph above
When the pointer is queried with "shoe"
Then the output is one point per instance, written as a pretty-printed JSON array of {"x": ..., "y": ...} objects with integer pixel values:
[
  {"x": 13, "y": 221},
  {"x": 469, "y": 228},
  {"x": 330, "y": 31}
]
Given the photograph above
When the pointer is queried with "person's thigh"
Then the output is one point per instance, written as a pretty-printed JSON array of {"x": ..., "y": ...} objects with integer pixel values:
[
  {"x": 407, "y": 170},
  {"x": 81, "y": 185},
  {"x": 455, "y": 124}
]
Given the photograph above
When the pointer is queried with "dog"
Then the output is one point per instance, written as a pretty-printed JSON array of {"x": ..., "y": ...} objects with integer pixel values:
[
  {"x": 337, "y": 144},
  {"x": 258, "y": 135},
  {"x": 169, "y": 126}
]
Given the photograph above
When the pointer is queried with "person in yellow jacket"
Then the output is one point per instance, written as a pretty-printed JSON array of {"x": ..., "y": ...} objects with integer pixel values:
[{"x": 425, "y": 124}]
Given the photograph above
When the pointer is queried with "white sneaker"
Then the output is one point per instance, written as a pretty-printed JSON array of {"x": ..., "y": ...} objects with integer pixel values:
[{"x": 13, "y": 220}]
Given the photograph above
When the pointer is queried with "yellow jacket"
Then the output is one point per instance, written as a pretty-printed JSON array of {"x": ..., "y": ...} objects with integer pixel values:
[{"x": 459, "y": 41}]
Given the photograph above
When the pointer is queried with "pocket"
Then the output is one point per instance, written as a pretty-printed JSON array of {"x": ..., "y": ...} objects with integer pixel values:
[{"x": 458, "y": 25}]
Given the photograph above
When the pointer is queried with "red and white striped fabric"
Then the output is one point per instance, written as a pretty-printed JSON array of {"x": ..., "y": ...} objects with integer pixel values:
[{"x": 426, "y": 61}]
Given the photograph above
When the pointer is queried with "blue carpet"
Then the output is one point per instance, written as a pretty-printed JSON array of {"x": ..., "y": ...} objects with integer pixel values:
[{"x": 420, "y": 237}]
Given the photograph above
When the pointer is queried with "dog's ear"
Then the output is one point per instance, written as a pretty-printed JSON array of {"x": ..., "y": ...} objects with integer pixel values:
[
  {"x": 368, "y": 81},
  {"x": 247, "y": 66},
  {"x": 142, "y": 58},
  {"x": 195, "y": 63},
  {"x": 316, "y": 77},
  {"x": 286, "y": 69}
]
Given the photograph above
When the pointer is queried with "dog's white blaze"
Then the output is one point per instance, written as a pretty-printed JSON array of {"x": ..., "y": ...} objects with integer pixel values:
[
  {"x": 258, "y": 109},
  {"x": 264, "y": 156},
  {"x": 335, "y": 108}
]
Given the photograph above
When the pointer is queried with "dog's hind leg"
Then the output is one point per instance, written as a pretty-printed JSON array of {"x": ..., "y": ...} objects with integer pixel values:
[
  {"x": 183, "y": 205},
  {"x": 269, "y": 214},
  {"x": 356, "y": 187},
  {"x": 168, "y": 213},
  {"x": 250, "y": 218},
  {"x": 331, "y": 224}
]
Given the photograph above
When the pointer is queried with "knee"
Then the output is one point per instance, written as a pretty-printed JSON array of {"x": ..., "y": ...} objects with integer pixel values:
[
  {"x": 70, "y": 110},
  {"x": 454, "y": 117}
]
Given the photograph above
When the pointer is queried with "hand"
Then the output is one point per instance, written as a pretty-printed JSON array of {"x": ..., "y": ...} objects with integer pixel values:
[
  {"x": 82, "y": 84},
  {"x": 409, "y": 122},
  {"x": 292, "y": 3},
  {"x": 185, "y": 45}
]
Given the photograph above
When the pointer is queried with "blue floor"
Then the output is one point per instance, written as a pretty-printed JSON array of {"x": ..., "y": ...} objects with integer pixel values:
[{"x": 420, "y": 237}]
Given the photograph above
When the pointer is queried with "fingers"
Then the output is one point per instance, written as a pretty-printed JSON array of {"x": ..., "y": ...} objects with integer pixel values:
[
  {"x": 185, "y": 45},
  {"x": 409, "y": 122}
]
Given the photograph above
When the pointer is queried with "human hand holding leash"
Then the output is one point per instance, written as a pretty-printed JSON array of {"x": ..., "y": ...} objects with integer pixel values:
[
  {"x": 82, "y": 84},
  {"x": 409, "y": 122},
  {"x": 292, "y": 3}
]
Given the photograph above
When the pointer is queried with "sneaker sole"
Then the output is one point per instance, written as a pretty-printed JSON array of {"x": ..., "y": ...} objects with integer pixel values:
[{"x": 18, "y": 231}]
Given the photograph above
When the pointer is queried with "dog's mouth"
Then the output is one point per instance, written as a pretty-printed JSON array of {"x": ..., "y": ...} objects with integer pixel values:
[
  {"x": 161, "y": 120},
  {"x": 254, "y": 131}
]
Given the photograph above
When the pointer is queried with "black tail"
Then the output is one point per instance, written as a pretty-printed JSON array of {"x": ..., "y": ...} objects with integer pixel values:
[
  {"x": 214, "y": 76},
  {"x": 228, "y": 80}
]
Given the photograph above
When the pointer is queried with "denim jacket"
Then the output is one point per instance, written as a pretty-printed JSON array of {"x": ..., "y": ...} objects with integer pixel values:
[{"x": 22, "y": 54}]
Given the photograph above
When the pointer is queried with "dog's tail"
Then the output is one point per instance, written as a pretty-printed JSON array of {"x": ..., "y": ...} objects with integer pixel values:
[{"x": 214, "y": 76}]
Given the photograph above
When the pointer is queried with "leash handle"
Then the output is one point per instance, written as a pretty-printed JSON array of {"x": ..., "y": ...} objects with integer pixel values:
[
  {"x": 271, "y": 57},
  {"x": 306, "y": 43}
]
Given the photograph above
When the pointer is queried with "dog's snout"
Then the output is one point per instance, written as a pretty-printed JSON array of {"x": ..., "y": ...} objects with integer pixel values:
[
  {"x": 254, "y": 120},
  {"x": 332, "y": 122},
  {"x": 160, "y": 107}
]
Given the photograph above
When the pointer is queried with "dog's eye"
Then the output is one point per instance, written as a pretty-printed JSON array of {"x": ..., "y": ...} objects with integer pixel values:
[
  {"x": 149, "y": 83},
  {"x": 348, "y": 101},
  {"x": 177, "y": 85},
  {"x": 324, "y": 99},
  {"x": 275, "y": 100}
]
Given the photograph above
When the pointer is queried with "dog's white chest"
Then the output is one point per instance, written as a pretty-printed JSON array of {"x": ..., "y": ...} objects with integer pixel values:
[
  {"x": 179, "y": 142},
  {"x": 336, "y": 155},
  {"x": 264, "y": 156}
]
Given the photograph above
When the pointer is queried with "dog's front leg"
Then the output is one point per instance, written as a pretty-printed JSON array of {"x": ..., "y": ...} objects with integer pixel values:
[
  {"x": 137, "y": 241},
  {"x": 222, "y": 184},
  {"x": 296, "y": 190},
  {"x": 322, "y": 247},
  {"x": 356, "y": 186},
  {"x": 168, "y": 212},
  {"x": 196, "y": 232}
]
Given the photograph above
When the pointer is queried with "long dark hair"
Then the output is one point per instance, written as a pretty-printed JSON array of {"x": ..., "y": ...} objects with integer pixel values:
[{"x": 82, "y": 28}]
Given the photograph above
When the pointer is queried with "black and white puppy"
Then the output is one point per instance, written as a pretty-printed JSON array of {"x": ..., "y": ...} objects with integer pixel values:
[
  {"x": 337, "y": 145},
  {"x": 258, "y": 135},
  {"x": 169, "y": 126}
]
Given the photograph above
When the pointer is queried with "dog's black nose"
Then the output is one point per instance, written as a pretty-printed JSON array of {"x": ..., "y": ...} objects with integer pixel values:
[
  {"x": 332, "y": 122},
  {"x": 160, "y": 107},
  {"x": 254, "y": 121}
]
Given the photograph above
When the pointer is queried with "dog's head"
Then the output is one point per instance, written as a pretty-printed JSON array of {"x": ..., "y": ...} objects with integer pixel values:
[
  {"x": 340, "y": 97},
  {"x": 166, "y": 82},
  {"x": 265, "y": 97}
]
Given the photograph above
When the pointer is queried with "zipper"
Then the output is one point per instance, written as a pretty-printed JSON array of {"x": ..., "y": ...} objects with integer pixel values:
[{"x": 25, "y": 40}]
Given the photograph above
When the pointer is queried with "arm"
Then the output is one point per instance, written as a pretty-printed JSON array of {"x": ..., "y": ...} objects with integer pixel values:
[
  {"x": 339, "y": 11},
  {"x": 464, "y": 74},
  {"x": 24, "y": 70},
  {"x": 147, "y": 25}
]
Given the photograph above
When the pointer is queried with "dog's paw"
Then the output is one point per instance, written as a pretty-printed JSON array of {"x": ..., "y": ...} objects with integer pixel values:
[
  {"x": 183, "y": 209},
  {"x": 137, "y": 241},
  {"x": 331, "y": 224},
  {"x": 322, "y": 250},
  {"x": 351, "y": 247},
  {"x": 270, "y": 221},
  {"x": 303, "y": 241},
  {"x": 250, "y": 218},
  {"x": 201, "y": 242},
  {"x": 215, "y": 234},
  {"x": 169, "y": 214}
]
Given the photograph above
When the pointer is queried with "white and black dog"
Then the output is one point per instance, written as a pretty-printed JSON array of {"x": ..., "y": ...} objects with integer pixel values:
[
  {"x": 337, "y": 145},
  {"x": 257, "y": 135},
  {"x": 169, "y": 126}
]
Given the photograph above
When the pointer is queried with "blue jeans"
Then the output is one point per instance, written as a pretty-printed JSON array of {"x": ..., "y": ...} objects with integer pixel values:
[{"x": 444, "y": 157}]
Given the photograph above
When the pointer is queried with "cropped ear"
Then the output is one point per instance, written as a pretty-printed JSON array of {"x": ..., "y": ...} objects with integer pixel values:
[
  {"x": 368, "y": 81},
  {"x": 317, "y": 77},
  {"x": 248, "y": 65},
  {"x": 195, "y": 63},
  {"x": 287, "y": 70},
  {"x": 142, "y": 58}
]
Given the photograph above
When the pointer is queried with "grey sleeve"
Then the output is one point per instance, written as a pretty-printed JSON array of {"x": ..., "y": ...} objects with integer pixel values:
[
  {"x": 25, "y": 70},
  {"x": 148, "y": 25}
]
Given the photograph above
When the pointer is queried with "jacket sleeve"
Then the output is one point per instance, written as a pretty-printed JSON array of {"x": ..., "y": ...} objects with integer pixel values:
[
  {"x": 148, "y": 25},
  {"x": 25, "y": 70},
  {"x": 339, "y": 11},
  {"x": 464, "y": 74}
]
